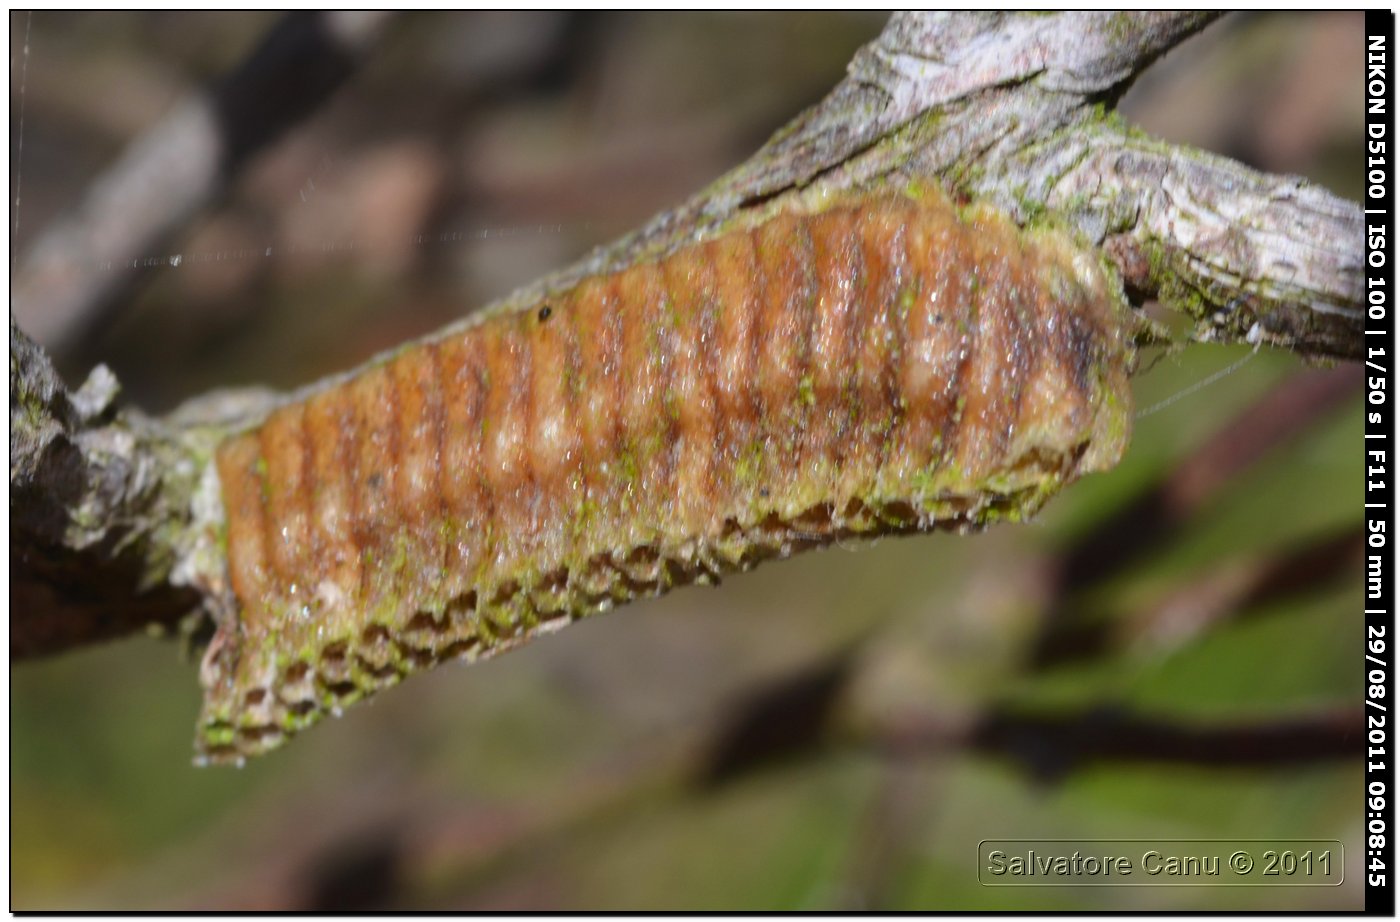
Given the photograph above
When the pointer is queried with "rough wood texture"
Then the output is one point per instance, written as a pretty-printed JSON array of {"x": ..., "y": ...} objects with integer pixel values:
[
  {"x": 1008, "y": 109},
  {"x": 884, "y": 365},
  {"x": 99, "y": 500}
]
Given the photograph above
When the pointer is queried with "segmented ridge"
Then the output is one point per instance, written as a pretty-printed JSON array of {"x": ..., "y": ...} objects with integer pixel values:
[
  {"x": 348, "y": 668},
  {"x": 882, "y": 366}
]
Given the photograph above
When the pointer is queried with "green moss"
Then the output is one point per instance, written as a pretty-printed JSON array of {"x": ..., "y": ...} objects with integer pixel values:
[
  {"x": 488, "y": 554},
  {"x": 1172, "y": 289},
  {"x": 221, "y": 712},
  {"x": 905, "y": 301},
  {"x": 292, "y": 722},
  {"x": 264, "y": 487},
  {"x": 399, "y": 562},
  {"x": 385, "y": 607},
  {"x": 806, "y": 392},
  {"x": 626, "y": 468},
  {"x": 1119, "y": 417},
  {"x": 670, "y": 314},
  {"x": 584, "y": 514},
  {"x": 573, "y": 379},
  {"x": 749, "y": 467}
]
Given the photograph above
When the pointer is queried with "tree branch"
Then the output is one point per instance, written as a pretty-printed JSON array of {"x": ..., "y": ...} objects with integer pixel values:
[
  {"x": 102, "y": 508},
  {"x": 1005, "y": 107},
  {"x": 66, "y": 281}
]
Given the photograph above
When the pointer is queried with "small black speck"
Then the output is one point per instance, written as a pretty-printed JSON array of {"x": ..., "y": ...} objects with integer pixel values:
[
  {"x": 763, "y": 492},
  {"x": 545, "y": 313},
  {"x": 375, "y": 480}
]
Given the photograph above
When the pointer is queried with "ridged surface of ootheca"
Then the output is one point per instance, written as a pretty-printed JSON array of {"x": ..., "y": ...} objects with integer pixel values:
[{"x": 885, "y": 365}]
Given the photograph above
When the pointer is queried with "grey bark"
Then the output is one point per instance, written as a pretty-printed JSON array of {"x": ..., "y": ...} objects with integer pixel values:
[{"x": 1014, "y": 108}]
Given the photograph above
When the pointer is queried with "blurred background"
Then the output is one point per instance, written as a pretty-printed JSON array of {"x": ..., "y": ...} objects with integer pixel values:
[{"x": 1170, "y": 651}]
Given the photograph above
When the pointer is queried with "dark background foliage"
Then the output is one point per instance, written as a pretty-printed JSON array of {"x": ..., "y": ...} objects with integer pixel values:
[{"x": 1170, "y": 651}]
